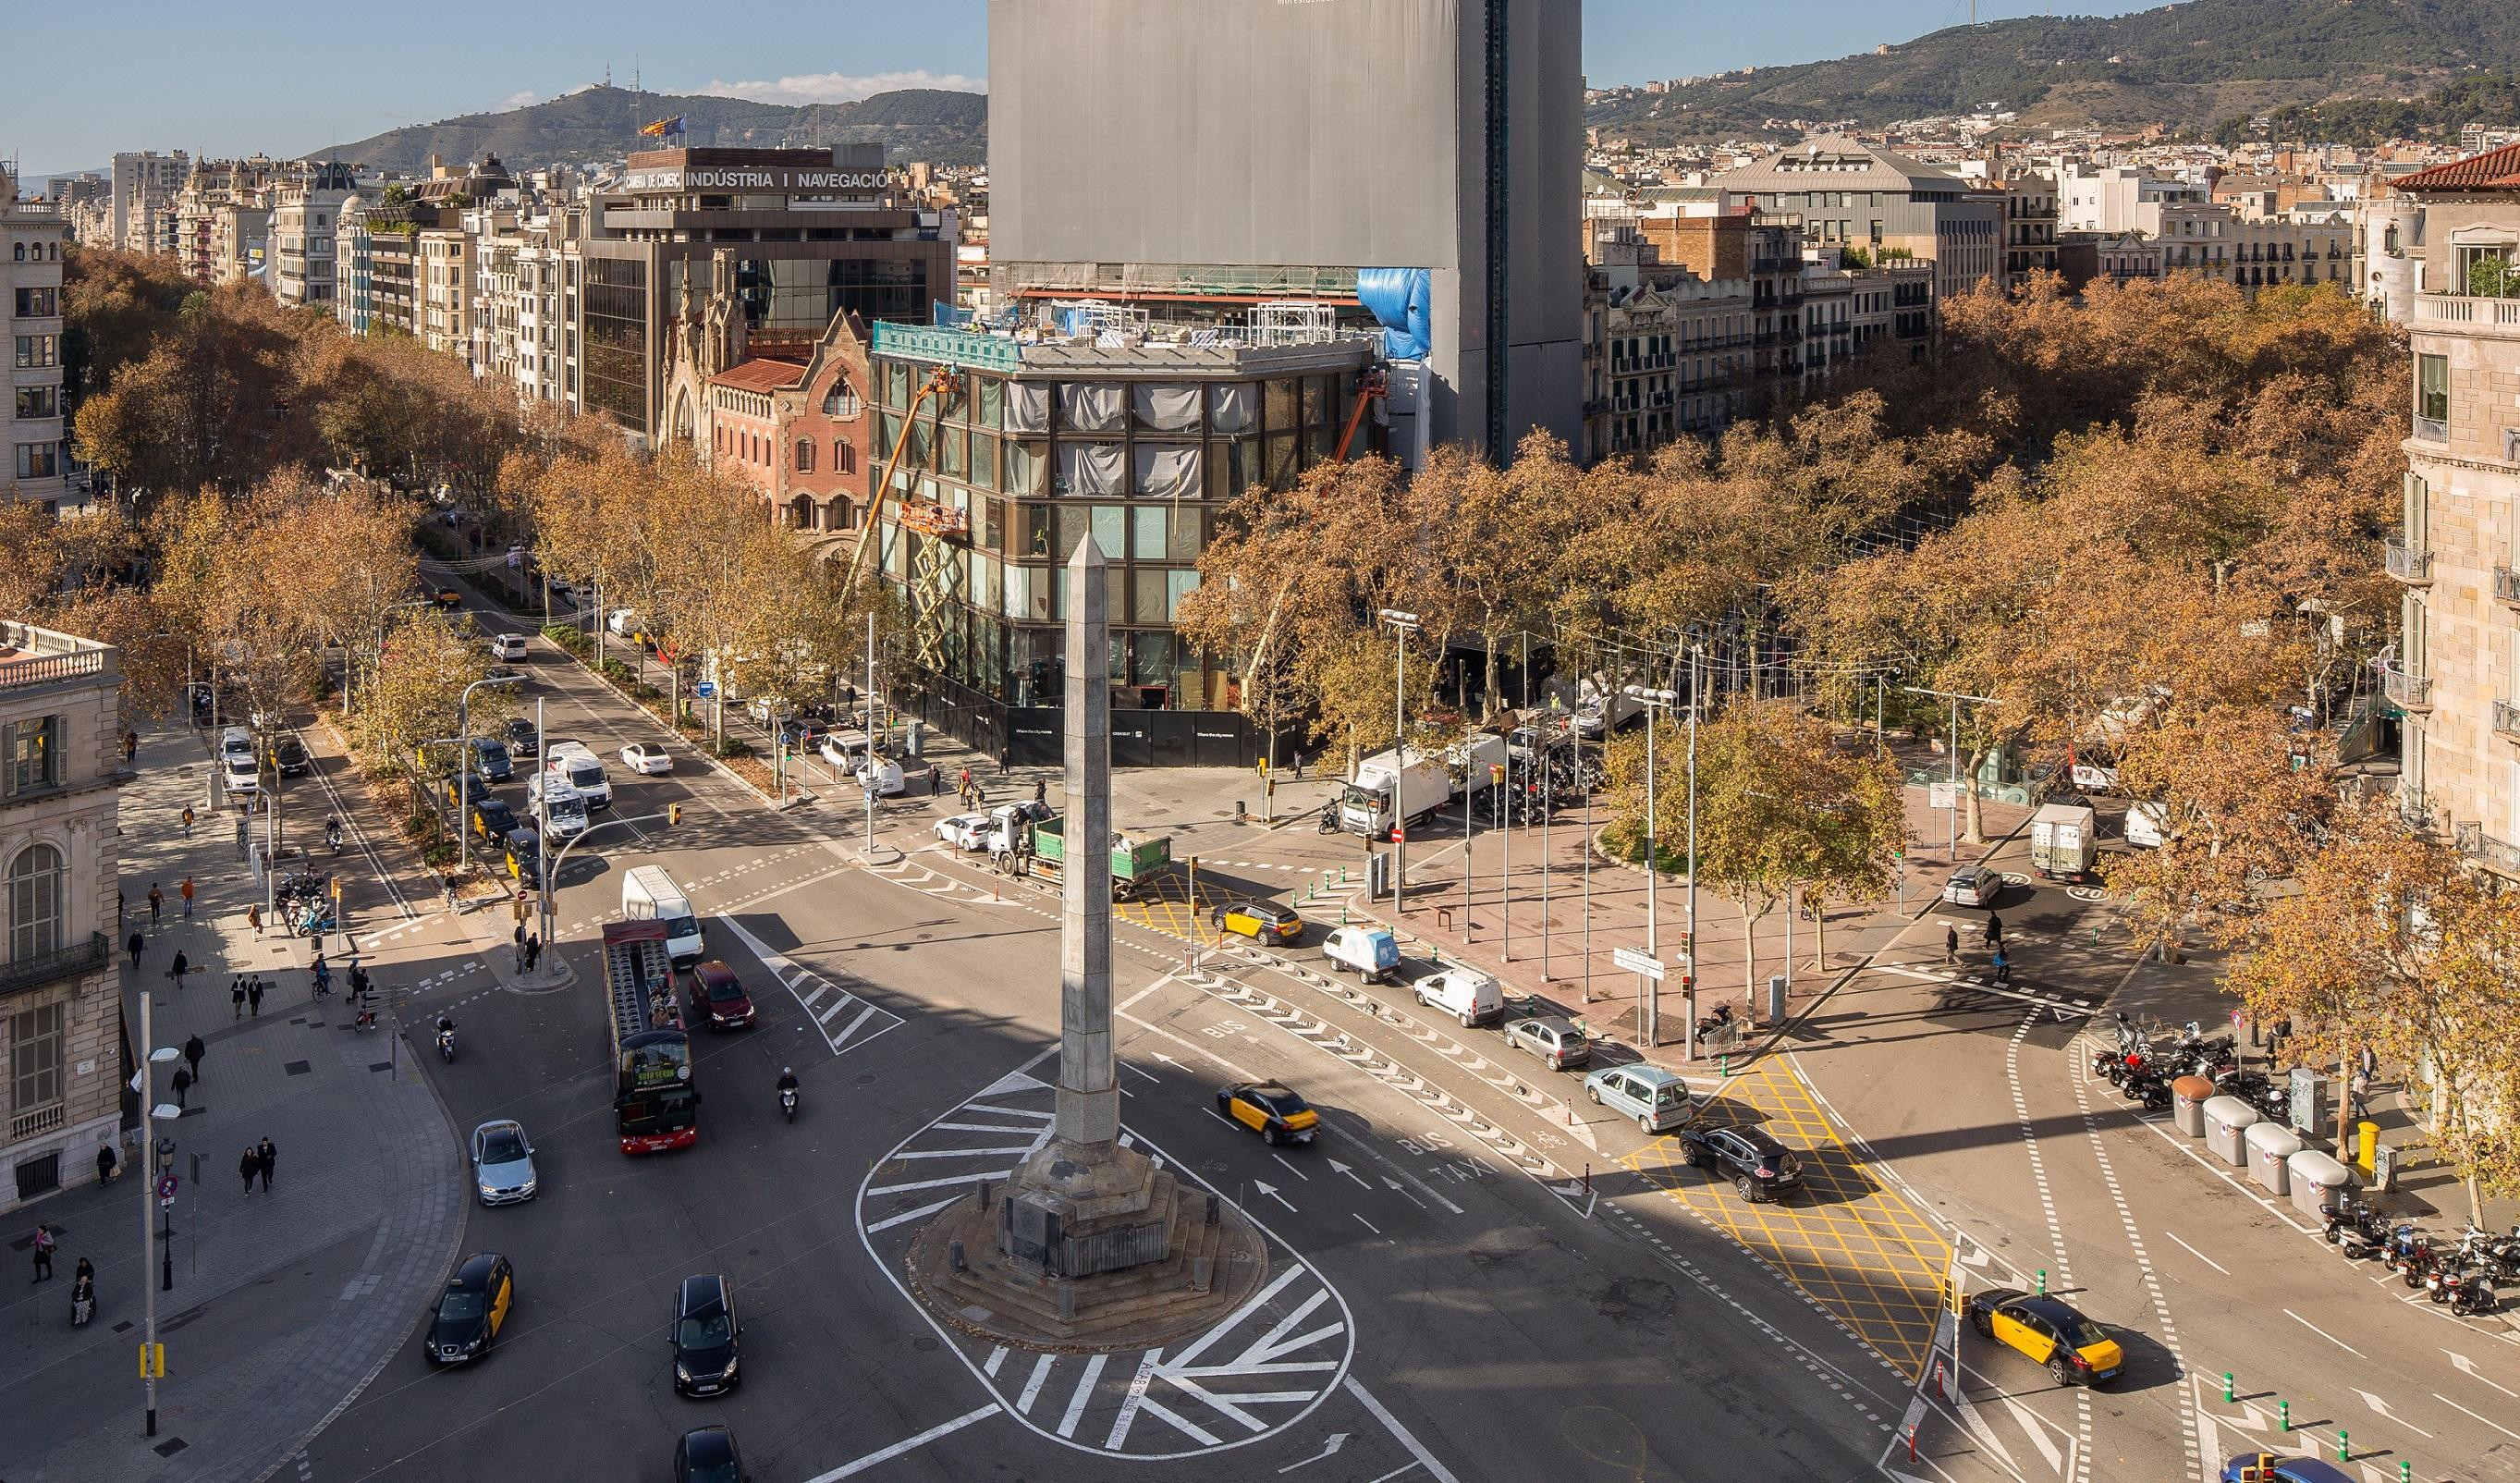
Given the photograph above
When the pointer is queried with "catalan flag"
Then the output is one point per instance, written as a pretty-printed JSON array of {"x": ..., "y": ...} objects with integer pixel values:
[{"x": 662, "y": 127}]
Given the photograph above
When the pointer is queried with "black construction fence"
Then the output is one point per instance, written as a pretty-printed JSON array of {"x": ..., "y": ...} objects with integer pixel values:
[{"x": 1029, "y": 736}]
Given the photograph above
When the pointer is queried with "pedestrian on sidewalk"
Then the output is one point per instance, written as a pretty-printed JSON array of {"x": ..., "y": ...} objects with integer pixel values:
[
  {"x": 118, "y": 906},
  {"x": 194, "y": 1051},
  {"x": 130, "y": 745},
  {"x": 236, "y": 996},
  {"x": 533, "y": 950},
  {"x": 186, "y": 890},
  {"x": 935, "y": 780},
  {"x": 518, "y": 939},
  {"x": 240, "y": 836},
  {"x": 254, "y": 997},
  {"x": 451, "y": 897},
  {"x": 134, "y": 944},
  {"x": 188, "y": 820},
  {"x": 1994, "y": 930},
  {"x": 2003, "y": 967},
  {"x": 253, "y": 918},
  {"x": 82, "y": 1294},
  {"x": 265, "y": 1157},
  {"x": 178, "y": 969},
  {"x": 156, "y": 904},
  {"x": 108, "y": 1164},
  {"x": 43, "y": 1253},
  {"x": 248, "y": 1164},
  {"x": 1950, "y": 947},
  {"x": 182, "y": 1082}
]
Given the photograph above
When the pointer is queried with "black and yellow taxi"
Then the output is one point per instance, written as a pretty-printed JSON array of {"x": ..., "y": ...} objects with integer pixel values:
[
  {"x": 2075, "y": 1349},
  {"x": 473, "y": 1309},
  {"x": 524, "y": 849},
  {"x": 1259, "y": 920},
  {"x": 1270, "y": 1109}
]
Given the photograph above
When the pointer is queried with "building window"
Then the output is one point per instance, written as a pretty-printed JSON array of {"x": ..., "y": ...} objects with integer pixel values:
[
  {"x": 38, "y": 401},
  {"x": 38, "y": 303},
  {"x": 35, "y": 351},
  {"x": 804, "y": 455},
  {"x": 37, "y": 460},
  {"x": 33, "y": 754},
  {"x": 35, "y": 1039},
  {"x": 842, "y": 402},
  {"x": 35, "y": 897},
  {"x": 2432, "y": 388}
]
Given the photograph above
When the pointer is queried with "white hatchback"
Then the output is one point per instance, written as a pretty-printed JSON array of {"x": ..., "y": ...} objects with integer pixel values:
[{"x": 965, "y": 831}]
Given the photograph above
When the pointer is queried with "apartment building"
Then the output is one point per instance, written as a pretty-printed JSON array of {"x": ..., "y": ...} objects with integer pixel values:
[
  {"x": 1665, "y": 352},
  {"x": 36, "y": 439},
  {"x": 353, "y": 265},
  {"x": 2114, "y": 197},
  {"x": 2030, "y": 220},
  {"x": 1883, "y": 205},
  {"x": 445, "y": 285},
  {"x": 2456, "y": 673},
  {"x": 304, "y": 216},
  {"x": 61, "y": 1001},
  {"x": 142, "y": 195},
  {"x": 2118, "y": 257}
]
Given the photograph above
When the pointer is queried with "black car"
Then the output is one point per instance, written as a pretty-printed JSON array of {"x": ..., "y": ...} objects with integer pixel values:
[
  {"x": 521, "y": 738},
  {"x": 493, "y": 820},
  {"x": 1759, "y": 1166},
  {"x": 472, "y": 1310},
  {"x": 289, "y": 757},
  {"x": 490, "y": 761},
  {"x": 707, "y": 1456},
  {"x": 705, "y": 1336}
]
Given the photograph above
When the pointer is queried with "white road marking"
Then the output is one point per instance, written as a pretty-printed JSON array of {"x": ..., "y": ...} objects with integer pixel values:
[
  {"x": 1367, "y": 1224},
  {"x": 1019, "y": 1149},
  {"x": 2322, "y": 1333},
  {"x": 911, "y": 1215},
  {"x": 1032, "y": 1387},
  {"x": 1291, "y": 1168},
  {"x": 1084, "y": 1392},
  {"x": 2199, "y": 1255},
  {"x": 939, "y": 1184},
  {"x": 1426, "y": 1459},
  {"x": 2467, "y": 1367},
  {"x": 906, "y": 1444},
  {"x": 2497, "y": 1425},
  {"x": 2382, "y": 1407},
  {"x": 997, "y": 1355},
  {"x": 1136, "y": 1397}
]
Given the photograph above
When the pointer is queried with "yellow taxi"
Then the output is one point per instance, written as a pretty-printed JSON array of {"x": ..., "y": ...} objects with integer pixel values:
[
  {"x": 2074, "y": 1348},
  {"x": 1259, "y": 920},
  {"x": 1270, "y": 1109}
]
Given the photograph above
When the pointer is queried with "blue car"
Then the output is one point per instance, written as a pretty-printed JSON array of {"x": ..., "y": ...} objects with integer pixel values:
[{"x": 2245, "y": 1469}]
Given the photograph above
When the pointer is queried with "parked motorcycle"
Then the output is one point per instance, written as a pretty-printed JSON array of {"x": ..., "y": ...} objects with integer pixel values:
[
  {"x": 2412, "y": 1255},
  {"x": 2148, "y": 1088},
  {"x": 2355, "y": 1230},
  {"x": 2464, "y": 1290}
]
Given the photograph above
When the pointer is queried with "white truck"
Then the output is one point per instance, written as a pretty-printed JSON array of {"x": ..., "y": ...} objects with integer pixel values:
[
  {"x": 571, "y": 763},
  {"x": 2064, "y": 841},
  {"x": 649, "y": 894},
  {"x": 1398, "y": 786},
  {"x": 2146, "y": 824}
]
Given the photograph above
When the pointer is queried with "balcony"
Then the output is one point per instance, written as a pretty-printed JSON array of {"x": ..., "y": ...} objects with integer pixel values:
[
  {"x": 2506, "y": 586},
  {"x": 2408, "y": 565},
  {"x": 20, "y": 975},
  {"x": 2431, "y": 429},
  {"x": 2507, "y": 720},
  {"x": 2407, "y": 692},
  {"x": 2499, "y": 856},
  {"x": 2460, "y": 313}
]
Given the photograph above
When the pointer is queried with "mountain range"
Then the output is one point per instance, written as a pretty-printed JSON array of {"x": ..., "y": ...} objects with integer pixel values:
[
  {"x": 2195, "y": 66},
  {"x": 599, "y": 123}
]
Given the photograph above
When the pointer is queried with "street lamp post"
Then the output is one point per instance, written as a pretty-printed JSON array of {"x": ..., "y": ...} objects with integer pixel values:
[
  {"x": 463, "y": 768},
  {"x": 1649, "y": 1000},
  {"x": 387, "y": 612},
  {"x": 1402, "y": 625},
  {"x": 150, "y": 1242}
]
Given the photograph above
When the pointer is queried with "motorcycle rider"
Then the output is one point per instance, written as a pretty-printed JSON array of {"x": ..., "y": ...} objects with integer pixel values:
[
  {"x": 787, "y": 1079},
  {"x": 332, "y": 831}
]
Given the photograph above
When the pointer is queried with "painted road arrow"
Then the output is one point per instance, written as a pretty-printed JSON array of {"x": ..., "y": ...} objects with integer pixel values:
[
  {"x": 1339, "y": 1168},
  {"x": 2466, "y": 1365},
  {"x": 1270, "y": 1191},
  {"x": 1338, "y": 1439}
]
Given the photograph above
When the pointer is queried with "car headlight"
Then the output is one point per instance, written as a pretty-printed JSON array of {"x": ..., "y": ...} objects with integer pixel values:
[
  {"x": 487, "y": 1191},
  {"x": 528, "y": 1188},
  {"x": 729, "y": 1373},
  {"x": 682, "y": 1371},
  {"x": 473, "y": 1343}
]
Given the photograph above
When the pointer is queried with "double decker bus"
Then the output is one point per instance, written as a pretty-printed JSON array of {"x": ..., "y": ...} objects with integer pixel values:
[{"x": 655, "y": 1104}]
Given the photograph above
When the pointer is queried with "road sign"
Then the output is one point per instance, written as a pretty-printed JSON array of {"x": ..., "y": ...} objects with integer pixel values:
[
  {"x": 1635, "y": 961},
  {"x": 1942, "y": 795},
  {"x": 705, "y": 689},
  {"x": 165, "y": 1187}
]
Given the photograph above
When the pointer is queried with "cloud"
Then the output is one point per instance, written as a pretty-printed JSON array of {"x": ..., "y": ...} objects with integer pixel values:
[
  {"x": 839, "y": 87},
  {"x": 525, "y": 98}
]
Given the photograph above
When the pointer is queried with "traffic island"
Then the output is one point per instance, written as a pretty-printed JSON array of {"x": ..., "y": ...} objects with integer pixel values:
[{"x": 1213, "y": 1258}]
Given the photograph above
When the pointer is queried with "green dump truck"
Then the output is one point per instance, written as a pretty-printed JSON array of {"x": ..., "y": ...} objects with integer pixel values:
[{"x": 1135, "y": 859}]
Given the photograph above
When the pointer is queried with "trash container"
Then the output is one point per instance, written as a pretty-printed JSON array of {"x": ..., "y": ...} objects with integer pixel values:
[
  {"x": 2269, "y": 1147},
  {"x": 2307, "y": 1110},
  {"x": 2317, "y": 1181},
  {"x": 2227, "y": 1120},
  {"x": 2188, "y": 1095}
]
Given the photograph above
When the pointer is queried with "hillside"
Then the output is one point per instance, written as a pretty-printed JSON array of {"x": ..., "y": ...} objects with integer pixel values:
[
  {"x": 2191, "y": 66},
  {"x": 600, "y": 123}
]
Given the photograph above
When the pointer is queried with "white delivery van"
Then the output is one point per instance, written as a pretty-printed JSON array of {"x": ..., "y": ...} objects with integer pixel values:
[
  {"x": 1466, "y": 994},
  {"x": 569, "y": 762},
  {"x": 1369, "y": 952},
  {"x": 2146, "y": 825},
  {"x": 563, "y": 805},
  {"x": 649, "y": 894},
  {"x": 1396, "y": 787},
  {"x": 2064, "y": 841}
]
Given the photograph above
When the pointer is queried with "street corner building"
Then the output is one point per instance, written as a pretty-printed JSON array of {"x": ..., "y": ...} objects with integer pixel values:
[{"x": 60, "y": 1005}]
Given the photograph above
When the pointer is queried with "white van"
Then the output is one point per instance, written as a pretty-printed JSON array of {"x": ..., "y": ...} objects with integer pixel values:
[
  {"x": 1466, "y": 994},
  {"x": 649, "y": 894},
  {"x": 569, "y": 762},
  {"x": 2145, "y": 823},
  {"x": 563, "y": 805}
]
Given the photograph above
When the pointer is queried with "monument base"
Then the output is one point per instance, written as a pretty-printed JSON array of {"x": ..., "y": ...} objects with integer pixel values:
[{"x": 1207, "y": 1270}]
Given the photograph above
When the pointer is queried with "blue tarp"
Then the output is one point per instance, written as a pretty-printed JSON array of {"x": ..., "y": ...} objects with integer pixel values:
[
  {"x": 1402, "y": 299},
  {"x": 947, "y": 314}
]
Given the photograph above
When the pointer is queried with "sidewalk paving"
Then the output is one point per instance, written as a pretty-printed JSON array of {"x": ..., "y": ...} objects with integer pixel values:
[
  {"x": 1506, "y": 931},
  {"x": 364, "y": 1148}
]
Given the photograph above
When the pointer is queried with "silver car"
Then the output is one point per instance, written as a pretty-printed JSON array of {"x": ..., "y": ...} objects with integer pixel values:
[
  {"x": 1974, "y": 886},
  {"x": 1552, "y": 1038},
  {"x": 1656, "y": 1098},
  {"x": 503, "y": 1163}
]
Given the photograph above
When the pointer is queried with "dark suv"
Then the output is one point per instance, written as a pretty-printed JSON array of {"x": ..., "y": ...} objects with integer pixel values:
[
  {"x": 521, "y": 739},
  {"x": 705, "y": 1334},
  {"x": 1759, "y": 1166},
  {"x": 289, "y": 757}
]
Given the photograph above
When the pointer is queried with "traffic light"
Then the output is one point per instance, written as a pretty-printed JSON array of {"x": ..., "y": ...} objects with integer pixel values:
[{"x": 673, "y": 813}]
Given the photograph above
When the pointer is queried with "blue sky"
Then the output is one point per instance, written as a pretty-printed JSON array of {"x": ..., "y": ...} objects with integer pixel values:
[{"x": 288, "y": 77}]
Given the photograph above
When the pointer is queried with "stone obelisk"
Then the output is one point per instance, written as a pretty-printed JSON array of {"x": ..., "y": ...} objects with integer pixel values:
[{"x": 1084, "y": 1204}]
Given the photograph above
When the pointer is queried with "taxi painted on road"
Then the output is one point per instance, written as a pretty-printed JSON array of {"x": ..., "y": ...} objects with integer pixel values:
[
  {"x": 2075, "y": 1349},
  {"x": 1269, "y": 1109}
]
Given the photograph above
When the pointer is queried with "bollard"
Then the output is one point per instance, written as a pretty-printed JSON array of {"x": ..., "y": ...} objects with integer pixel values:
[
  {"x": 1723, "y": 1065},
  {"x": 2284, "y": 1416},
  {"x": 2405, "y": 1473},
  {"x": 1938, "y": 1381},
  {"x": 2343, "y": 1454},
  {"x": 953, "y": 1255},
  {"x": 1588, "y": 1179},
  {"x": 2227, "y": 1384},
  {"x": 1911, "y": 1440},
  {"x": 2043, "y": 1282}
]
